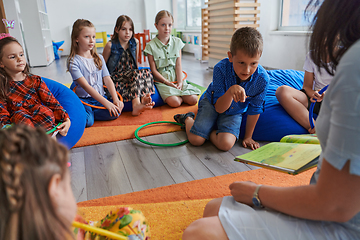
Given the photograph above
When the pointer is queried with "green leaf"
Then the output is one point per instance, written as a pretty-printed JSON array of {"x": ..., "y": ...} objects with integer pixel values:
[
  {"x": 135, "y": 211},
  {"x": 126, "y": 220}
]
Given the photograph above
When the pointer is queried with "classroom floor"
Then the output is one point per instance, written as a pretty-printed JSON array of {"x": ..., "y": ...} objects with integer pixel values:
[{"x": 127, "y": 166}]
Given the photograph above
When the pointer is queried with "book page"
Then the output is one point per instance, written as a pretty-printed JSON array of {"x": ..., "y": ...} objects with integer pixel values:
[
  {"x": 303, "y": 138},
  {"x": 284, "y": 155}
]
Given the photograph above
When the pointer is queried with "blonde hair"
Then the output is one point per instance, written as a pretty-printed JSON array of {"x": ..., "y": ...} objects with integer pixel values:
[
  {"x": 162, "y": 14},
  {"x": 78, "y": 26},
  {"x": 4, "y": 77},
  {"x": 121, "y": 20},
  {"x": 247, "y": 39},
  {"x": 28, "y": 160}
]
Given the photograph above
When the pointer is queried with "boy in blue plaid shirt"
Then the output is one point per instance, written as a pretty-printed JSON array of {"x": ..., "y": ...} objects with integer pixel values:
[{"x": 239, "y": 86}]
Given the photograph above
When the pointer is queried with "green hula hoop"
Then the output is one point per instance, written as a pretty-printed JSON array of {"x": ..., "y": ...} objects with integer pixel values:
[
  {"x": 54, "y": 129},
  {"x": 158, "y": 144},
  {"x": 48, "y": 132}
]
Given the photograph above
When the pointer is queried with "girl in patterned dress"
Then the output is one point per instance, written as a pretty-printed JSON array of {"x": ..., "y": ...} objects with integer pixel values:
[
  {"x": 25, "y": 98},
  {"x": 120, "y": 55}
]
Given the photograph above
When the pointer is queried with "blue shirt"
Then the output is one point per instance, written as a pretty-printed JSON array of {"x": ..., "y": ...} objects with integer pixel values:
[{"x": 256, "y": 87}]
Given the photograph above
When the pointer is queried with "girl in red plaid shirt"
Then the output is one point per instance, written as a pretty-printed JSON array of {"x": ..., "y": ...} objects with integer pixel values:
[{"x": 25, "y": 98}]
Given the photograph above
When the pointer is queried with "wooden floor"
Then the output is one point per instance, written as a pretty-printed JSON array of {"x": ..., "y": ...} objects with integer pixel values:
[{"x": 126, "y": 166}]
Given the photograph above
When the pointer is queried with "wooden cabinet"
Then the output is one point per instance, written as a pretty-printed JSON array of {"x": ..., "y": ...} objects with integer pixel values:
[{"x": 36, "y": 32}]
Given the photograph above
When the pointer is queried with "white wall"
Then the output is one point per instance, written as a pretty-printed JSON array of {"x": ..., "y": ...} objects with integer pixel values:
[
  {"x": 103, "y": 14},
  {"x": 11, "y": 11},
  {"x": 280, "y": 50}
]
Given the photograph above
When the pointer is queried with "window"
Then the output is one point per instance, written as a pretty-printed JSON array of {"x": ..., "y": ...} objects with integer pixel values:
[
  {"x": 292, "y": 15},
  {"x": 187, "y": 14}
]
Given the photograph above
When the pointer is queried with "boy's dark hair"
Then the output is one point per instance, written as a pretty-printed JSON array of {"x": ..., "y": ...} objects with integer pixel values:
[
  {"x": 247, "y": 39},
  {"x": 333, "y": 36}
]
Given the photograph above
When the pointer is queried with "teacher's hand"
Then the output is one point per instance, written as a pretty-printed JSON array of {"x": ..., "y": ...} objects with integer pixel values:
[{"x": 243, "y": 191}]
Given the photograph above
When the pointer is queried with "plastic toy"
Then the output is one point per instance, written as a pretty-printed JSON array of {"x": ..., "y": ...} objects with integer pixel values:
[
  {"x": 158, "y": 144},
  {"x": 311, "y": 109}
]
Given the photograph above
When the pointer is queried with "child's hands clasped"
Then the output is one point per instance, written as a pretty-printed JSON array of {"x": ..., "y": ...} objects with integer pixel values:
[
  {"x": 316, "y": 97},
  {"x": 114, "y": 110},
  {"x": 119, "y": 104},
  {"x": 249, "y": 142},
  {"x": 238, "y": 93},
  {"x": 179, "y": 85},
  {"x": 171, "y": 84},
  {"x": 64, "y": 127}
]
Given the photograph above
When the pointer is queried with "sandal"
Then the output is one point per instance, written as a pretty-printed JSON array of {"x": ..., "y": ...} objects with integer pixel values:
[{"x": 180, "y": 118}]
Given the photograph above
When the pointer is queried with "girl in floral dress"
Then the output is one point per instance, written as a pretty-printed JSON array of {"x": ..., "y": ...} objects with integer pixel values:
[{"x": 120, "y": 55}]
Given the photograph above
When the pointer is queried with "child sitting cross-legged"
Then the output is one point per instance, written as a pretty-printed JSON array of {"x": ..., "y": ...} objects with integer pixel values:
[
  {"x": 297, "y": 102},
  {"x": 239, "y": 86},
  {"x": 89, "y": 72},
  {"x": 120, "y": 54}
]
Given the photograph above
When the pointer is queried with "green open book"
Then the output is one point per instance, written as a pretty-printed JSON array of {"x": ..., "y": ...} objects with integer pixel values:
[{"x": 293, "y": 154}]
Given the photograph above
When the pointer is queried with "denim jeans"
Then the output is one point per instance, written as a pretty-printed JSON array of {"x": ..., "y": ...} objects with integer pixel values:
[
  {"x": 207, "y": 120},
  {"x": 95, "y": 114}
]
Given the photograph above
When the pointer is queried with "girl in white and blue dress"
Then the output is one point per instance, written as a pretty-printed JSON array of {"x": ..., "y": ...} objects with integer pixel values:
[
  {"x": 89, "y": 72},
  {"x": 328, "y": 208},
  {"x": 164, "y": 55}
]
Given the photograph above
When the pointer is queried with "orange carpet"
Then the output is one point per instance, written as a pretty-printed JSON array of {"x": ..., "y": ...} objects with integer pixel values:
[
  {"x": 213, "y": 187},
  {"x": 125, "y": 126},
  {"x": 171, "y": 209}
]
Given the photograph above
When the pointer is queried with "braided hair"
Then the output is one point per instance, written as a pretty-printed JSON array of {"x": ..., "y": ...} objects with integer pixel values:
[{"x": 28, "y": 160}]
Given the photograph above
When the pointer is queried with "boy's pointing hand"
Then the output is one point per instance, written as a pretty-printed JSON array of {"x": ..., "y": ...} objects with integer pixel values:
[{"x": 238, "y": 93}]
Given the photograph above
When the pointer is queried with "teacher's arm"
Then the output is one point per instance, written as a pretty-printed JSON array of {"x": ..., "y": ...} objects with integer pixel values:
[{"x": 335, "y": 196}]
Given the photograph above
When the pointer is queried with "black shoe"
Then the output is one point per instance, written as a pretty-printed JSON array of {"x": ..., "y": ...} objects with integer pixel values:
[{"x": 180, "y": 118}]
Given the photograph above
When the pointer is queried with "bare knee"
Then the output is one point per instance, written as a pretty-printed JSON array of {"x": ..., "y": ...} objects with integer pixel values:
[
  {"x": 225, "y": 145},
  {"x": 191, "y": 100},
  {"x": 209, "y": 228},
  {"x": 196, "y": 140},
  {"x": 223, "y": 141},
  {"x": 194, "y": 230},
  {"x": 212, "y": 208},
  {"x": 282, "y": 92},
  {"x": 174, "y": 101}
]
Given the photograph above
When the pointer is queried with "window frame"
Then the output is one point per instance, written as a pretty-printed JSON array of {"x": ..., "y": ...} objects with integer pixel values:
[
  {"x": 289, "y": 28},
  {"x": 198, "y": 28}
]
